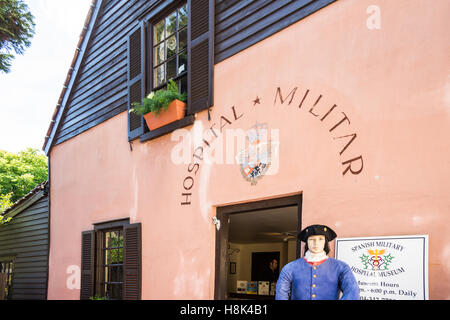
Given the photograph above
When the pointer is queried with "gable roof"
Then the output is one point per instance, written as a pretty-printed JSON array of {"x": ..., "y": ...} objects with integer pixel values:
[
  {"x": 27, "y": 200},
  {"x": 72, "y": 74}
]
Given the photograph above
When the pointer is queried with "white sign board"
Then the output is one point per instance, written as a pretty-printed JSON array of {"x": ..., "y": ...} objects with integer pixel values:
[{"x": 387, "y": 268}]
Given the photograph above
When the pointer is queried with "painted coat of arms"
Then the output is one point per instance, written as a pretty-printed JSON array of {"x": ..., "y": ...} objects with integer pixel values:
[{"x": 255, "y": 159}]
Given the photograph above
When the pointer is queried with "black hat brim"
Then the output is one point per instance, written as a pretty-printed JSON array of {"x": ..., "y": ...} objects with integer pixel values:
[{"x": 316, "y": 230}]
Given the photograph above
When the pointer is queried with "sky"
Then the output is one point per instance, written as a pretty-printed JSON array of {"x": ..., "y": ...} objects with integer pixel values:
[{"x": 30, "y": 91}]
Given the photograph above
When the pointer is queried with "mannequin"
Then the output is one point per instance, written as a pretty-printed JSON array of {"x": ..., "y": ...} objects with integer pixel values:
[{"x": 316, "y": 276}]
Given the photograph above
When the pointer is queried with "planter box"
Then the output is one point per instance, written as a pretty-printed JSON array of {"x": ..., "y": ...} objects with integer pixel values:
[{"x": 174, "y": 112}]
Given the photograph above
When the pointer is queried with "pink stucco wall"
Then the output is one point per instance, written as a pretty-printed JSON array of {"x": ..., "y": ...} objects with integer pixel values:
[{"x": 392, "y": 84}]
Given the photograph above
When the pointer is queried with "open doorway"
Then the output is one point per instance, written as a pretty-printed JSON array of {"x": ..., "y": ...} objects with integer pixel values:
[{"x": 255, "y": 241}]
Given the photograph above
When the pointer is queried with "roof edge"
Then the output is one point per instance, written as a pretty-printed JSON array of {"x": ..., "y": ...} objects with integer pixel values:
[
  {"x": 72, "y": 74},
  {"x": 27, "y": 200}
]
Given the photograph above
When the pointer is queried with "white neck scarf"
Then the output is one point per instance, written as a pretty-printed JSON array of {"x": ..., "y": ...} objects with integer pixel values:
[{"x": 315, "y": 257}]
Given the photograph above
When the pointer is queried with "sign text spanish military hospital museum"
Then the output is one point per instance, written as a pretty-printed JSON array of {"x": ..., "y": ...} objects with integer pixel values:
[{"x": 387, "y": 268}]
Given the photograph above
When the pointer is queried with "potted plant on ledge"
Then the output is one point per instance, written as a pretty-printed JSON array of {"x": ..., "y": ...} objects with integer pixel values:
[{"x": 161, "y": 107}]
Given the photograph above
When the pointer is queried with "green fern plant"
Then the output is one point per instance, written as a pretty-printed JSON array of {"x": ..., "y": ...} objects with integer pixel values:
[{"x": 159, "y": 100}]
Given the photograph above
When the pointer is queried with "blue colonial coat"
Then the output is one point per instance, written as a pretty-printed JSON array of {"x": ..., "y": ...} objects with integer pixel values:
[{"x": 299, "y": 280}]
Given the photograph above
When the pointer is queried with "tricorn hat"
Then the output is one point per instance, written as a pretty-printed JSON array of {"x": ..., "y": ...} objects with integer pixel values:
[{"x": 316, "y": 230}]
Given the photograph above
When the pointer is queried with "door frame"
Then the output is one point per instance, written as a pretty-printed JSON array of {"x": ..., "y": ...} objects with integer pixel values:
[{"x": 223, "y": 213}]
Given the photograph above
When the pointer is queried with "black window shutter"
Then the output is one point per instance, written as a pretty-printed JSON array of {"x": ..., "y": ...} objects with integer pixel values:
[
  {"x": 132, "y": 260},
  {"x": 136, "y": 79},
  {"x": 87, "y": 264},
  {"x": 200, "y": 55}
]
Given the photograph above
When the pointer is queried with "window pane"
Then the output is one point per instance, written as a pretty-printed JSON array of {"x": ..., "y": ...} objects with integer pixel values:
[
  {"x": 159, "y": 54},
  {"x": 114, "y": 239},
  {"x": 115, "y": 274},
  {"x": 182, "y": 62},
  {"x": 117, "y": 291},
  {"x": 183, "y": 85},
  {"x": 107, "y": 274},
  {"x": 158, "y": 34},
  {"x": 182, "y": 39},
  {"x": 107, "y": 239},
  {"x": 171, "y": 46},
  {"x": 159, "y": 76},
  {"x": 120, "y": 273},
  {"x": 114, "y": 291},
  {"x": 182, "y": 16},
  {"x": 120, "y": 239},
  {"x": 107, "y": 257},
  {"x": 114, "y": 256},
  {"x": 120, "y": 256},
  {"x": 171, "y": 24},
  {"x": 171, "y": 68}
]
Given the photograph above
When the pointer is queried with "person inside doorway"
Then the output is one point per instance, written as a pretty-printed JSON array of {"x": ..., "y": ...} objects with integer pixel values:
[
  {"x": 316, "y": 276},
  {"x": 270, "y": 272}
]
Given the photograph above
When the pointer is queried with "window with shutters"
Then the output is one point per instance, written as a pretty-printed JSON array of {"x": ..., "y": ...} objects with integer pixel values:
[
  {"x": 111, "y": 261},
  {"x": 173, "y": 42}
]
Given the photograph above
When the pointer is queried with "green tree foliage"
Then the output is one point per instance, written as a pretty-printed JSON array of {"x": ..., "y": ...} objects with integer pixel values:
[
  {"x": 16, "y": 30},
  {"x": 5, "y": 203},
  {"x": 21, "y": 172}
]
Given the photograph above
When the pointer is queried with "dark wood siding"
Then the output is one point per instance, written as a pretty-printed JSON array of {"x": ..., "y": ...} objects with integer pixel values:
[
  {"x": 100, "y": 88},
  {"x": 25, "y": 238},
  {"x": 241, "y": 24}
]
